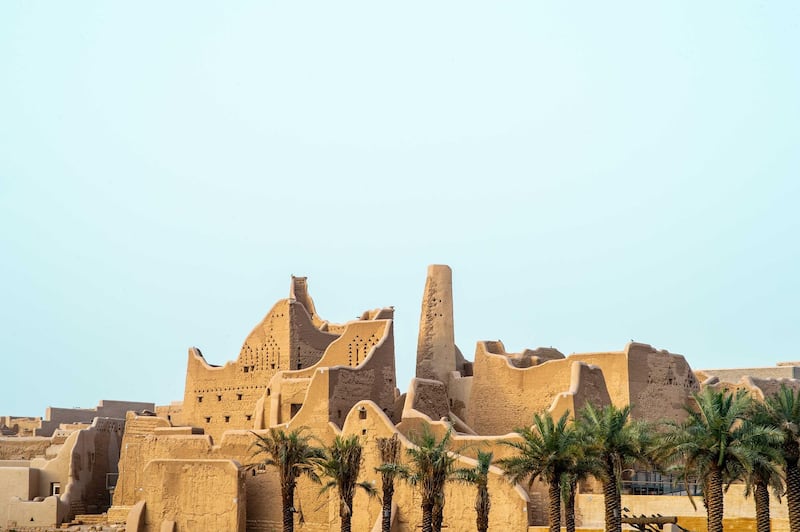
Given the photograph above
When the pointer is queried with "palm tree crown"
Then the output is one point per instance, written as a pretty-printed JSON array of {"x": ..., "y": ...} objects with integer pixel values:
[
  {"x": 716, "y": 444},
  {"x": 618, "y": 442},
  {"x": 783, "y": 409},
  {"x": 546, "y": 451},
  {"x": 765, "y": 467},
  {"x": 430, "y": 466}
]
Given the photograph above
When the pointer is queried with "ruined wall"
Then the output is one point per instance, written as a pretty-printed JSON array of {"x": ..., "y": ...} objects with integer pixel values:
[
  {"x": 94, "y": 454},
  {"x": 734, "y": 375},
  {"x": 763, "y": 388},
  {"x": 78, "y": 469},
  {"x": 192, "y": 495},
  {"x": 23, "y": 448},
  {"x": 504, "y": 397},
  {"x": 172, "y": 412},
  {"x": 614, "y": 366},
  {"x": 654, "y": 382},
  {"x": 759, "y": 389},
  {"x": 225, "y": 398},
  {"x": 54, "y": 417},
  {"x": 19, "y": 426},
  {"x": 365, "y": 346},
  {"x": 587, "y": 386},
  {"x": 428, "y": 397}
]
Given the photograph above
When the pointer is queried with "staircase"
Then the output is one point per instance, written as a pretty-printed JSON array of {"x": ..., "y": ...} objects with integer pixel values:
[{"x": 89, "y": 519}]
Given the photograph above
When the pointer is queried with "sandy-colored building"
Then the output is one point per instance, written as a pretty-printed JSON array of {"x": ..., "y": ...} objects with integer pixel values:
[
  {"x": 64, "y": 465},
  {"x": 187, "y": 467},
  {"x": 55, "y": 417},
  {"x": 297, "y": 370},
  {"x": 45, "y": 481}
]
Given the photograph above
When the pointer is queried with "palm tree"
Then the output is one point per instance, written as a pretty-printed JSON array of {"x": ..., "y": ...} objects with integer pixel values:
[
  {"x": 764, "y": 474},
  {"x": 784, "y": 411},
  {"x": 430, "y": 465},
  {"x": 479, "y": 477},
  {"x": 293, "y": 455},
  {"x": 618, "y": 442},
  {"x": 546, "y": 451},
  {"x": 716, "y": 444},
  {"x": 341, "y": 465},
  {"x": 389, "y": 469}
]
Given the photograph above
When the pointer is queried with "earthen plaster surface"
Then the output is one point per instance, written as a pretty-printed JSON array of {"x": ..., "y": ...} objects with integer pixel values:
[{"x": 296, "y": 370}]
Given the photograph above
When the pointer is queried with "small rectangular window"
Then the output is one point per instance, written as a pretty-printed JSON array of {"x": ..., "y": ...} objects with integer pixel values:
[
  {"x": 238, "y": 397},
  {"x": 199, "y": 398},
  {"x": 227, "y": 419},
  {"x": 248, "y": 417},
  {"x": 208, "y": 420},
  {"x": 219, "y": 398},
  {"x": 246, "y": 369}
]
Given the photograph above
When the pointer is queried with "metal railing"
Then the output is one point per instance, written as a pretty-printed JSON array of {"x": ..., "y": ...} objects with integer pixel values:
[{"x": 653, "y": 483}]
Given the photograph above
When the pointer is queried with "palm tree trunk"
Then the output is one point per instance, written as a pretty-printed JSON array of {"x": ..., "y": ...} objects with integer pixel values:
[
  {"x": 482, "y": 509},
  {"x": 346, "y": 513},
  {"x": 793, "y": 494},
  {"x": 613, "y": 502},
  {"x": 554, "y": 510},
  {"x": 715, "y": 501},
  {"x": 287, "y": 500},
  {"x": 437, "y": 515},
  {"x": 427, "y": 516},
  {"x": 569, "y": 507},
  {"x": 386, "y": 512},
  {"x": 762, "y": 507}
]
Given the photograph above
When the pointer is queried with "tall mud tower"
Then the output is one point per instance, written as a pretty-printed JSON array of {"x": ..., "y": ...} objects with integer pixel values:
[{"x": 436, "y": 348}]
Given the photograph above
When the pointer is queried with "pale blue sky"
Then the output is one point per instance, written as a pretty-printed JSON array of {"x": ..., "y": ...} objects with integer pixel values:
[{"x": 593, "y": 172}]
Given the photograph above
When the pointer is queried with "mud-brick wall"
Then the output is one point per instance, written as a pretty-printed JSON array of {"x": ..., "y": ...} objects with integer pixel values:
[{"x": 194, "y": 494}]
